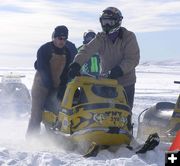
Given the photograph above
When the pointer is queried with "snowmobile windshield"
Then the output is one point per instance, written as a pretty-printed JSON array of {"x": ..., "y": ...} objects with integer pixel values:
[{"x": 104, "y": 91}]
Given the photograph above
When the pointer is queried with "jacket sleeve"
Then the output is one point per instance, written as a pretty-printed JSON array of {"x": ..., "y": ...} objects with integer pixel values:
[
  {"x": 131, "y": 54},
  {"x": 42, "y": 64},
  {"x": 72, "y": 49},
  {"x": 88, "y": 50}
]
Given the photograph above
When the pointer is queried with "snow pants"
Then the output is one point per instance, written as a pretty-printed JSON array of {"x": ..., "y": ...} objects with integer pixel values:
[
  {"x": 130, "y": 90},
  {"x": 39, "y": 95}
]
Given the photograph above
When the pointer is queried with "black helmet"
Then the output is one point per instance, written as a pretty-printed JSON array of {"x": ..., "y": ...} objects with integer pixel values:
[
  {"x": 88, "y": 36},
  {"x": 110, "y": 19}
]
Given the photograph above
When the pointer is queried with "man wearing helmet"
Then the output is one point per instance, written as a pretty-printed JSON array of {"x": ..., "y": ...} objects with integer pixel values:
[
  {"x": 91, "y": 67},
  {"x": 118, "y": 50}
]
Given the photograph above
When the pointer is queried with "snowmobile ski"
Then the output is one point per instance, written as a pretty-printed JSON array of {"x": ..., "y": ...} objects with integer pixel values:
[
  {"x": 150, "y": 144},
  {"x": 152, "y": 141},
  {"x": 93, "y": 150}
]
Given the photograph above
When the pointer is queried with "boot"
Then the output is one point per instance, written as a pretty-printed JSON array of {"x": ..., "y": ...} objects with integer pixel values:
[{"x": 33, "y": 129}]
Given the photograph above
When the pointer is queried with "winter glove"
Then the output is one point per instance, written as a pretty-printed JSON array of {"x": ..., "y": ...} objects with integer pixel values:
[
  {"x": 74, "y": 70},
  {"x": 116, "y": 72}
]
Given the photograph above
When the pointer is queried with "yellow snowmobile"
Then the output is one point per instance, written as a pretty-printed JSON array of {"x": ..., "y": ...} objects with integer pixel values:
[
  {"x": 93, "y": 111},
  {"x": 162, "y": 118}
]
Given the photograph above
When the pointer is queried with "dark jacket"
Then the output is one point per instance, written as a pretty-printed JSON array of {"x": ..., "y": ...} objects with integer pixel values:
[
  {"x": 42, "y": 64},
  {"x": 72, "y": 49}
]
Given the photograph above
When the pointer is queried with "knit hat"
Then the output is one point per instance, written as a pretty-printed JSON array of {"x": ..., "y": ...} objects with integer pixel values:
[{"x": 60, "y": 31}]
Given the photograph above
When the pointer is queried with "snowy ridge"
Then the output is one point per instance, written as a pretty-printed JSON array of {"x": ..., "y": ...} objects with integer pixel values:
[
  {"x": 169, "y": 62},
  {"x": 16, "y": 69}
]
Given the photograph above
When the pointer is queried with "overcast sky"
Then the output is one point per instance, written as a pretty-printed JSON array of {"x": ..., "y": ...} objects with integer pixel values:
[{"x": 26, "y": 25}]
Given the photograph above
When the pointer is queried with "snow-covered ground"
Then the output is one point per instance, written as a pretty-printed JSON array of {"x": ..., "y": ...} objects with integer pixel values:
[{"x": 154, "y": 84}]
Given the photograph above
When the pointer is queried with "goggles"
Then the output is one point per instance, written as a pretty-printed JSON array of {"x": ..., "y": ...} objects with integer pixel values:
[
  {"x": 88, "y": 38},
  {"x": 106, "y": 21}
]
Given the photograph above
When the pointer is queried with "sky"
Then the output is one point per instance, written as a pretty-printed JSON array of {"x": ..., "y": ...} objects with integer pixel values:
[{"x": 26, "y": 25}]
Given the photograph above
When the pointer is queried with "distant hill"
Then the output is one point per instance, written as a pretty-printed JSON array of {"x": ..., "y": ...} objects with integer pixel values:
[{"x": 169, "y": 62}]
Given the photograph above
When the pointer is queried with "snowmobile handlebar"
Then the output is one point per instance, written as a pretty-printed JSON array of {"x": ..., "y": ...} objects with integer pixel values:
[
  {"x": 177, "y": 82},
  {"x": 105, "y": 75},
  {"x": 87, "y": 74}
]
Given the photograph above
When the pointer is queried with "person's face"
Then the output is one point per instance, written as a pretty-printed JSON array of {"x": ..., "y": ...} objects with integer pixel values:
[{"x": 60, "y": 41}]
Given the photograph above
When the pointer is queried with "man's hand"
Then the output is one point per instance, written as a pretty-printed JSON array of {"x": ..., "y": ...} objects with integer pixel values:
[
  {"x": 74, "y": 69},
  {"x": 116, "y": 72}
]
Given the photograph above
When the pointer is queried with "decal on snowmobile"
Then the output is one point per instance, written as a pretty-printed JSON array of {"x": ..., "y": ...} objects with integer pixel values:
[{"x": 101, "y": 106}]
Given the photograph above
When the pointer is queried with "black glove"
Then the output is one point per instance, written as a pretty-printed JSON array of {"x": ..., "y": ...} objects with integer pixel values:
[
  {"x": 74, "y": 70},
  {"x": 116, "y": 72}
]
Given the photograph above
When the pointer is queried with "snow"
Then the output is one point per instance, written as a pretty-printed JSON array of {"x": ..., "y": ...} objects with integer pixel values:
[{"x": 154, "y": 84}]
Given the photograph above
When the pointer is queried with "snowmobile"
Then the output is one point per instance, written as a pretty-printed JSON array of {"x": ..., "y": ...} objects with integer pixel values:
[
  {"x": 163, "y": 118},
  {"x": 94, "y": 111},
  {"x": 14, "y": 95}
]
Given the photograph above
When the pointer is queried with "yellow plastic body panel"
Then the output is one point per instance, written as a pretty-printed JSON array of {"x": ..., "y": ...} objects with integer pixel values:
[
  {"x": 49, "y": 117},
  {"x": 102, "y": 138},
  {"x": 93, "y": 126}
]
